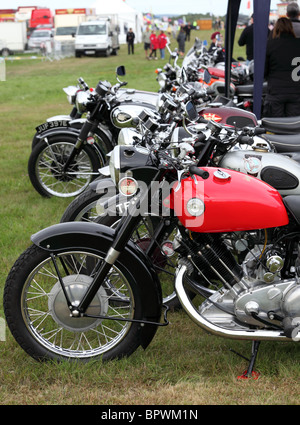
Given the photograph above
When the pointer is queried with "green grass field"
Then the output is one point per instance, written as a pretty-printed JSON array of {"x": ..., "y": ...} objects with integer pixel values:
[{"x": 183, "y": 365}]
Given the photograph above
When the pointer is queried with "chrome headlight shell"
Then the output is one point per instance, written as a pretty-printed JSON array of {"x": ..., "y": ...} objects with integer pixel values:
[
  {"x": 128, "y": 136},
  {"x": 81, "y": 101},
  {"x": 71, "y": 92},
  {"x": 161, "y": 78}
]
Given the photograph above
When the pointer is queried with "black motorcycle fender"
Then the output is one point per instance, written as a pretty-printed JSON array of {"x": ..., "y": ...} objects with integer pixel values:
[
  {"x": 80, "y": 235},
  {"x": 60, "y": 130},
  {"x": 68, "y": 131}
]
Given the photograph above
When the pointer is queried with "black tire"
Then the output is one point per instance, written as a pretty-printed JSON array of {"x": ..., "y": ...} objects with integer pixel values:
[
  {"x": 39, "y": 318},
  {"x": 46, "y": 161}
]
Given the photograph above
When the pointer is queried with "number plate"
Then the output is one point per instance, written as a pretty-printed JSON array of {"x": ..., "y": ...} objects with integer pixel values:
[{"x": 51, "y": 124}]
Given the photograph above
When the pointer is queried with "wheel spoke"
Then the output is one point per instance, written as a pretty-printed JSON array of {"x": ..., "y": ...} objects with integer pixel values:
[{"x": 47, "y": 315}]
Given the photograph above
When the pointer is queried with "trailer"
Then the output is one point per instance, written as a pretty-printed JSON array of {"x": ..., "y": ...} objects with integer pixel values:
[
  {"x": 66, "y": 22},
  {"x": 13, "y": 38}
]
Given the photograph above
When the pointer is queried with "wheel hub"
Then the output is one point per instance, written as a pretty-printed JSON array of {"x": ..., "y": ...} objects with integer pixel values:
[
  {"x": 76, "y": 286},
  {"x": 59, "y": 174}
]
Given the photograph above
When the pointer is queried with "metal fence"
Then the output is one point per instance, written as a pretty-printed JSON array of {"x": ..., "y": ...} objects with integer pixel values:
[{"x": 58, "y": 50}]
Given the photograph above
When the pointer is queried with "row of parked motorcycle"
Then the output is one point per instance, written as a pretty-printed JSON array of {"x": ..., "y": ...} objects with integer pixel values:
[{"x": 182, "y": 200}]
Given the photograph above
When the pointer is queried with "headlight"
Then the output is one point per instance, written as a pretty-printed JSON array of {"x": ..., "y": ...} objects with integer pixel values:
[
  {"x": 81, "y": 101},
  {"x": 128, "y": 136},
  {"x": 114, "y": 164},
  {"x": 195, "y": 207},
  {"x": 124, "y": 158},
  {"x": 161, "y": 78}
]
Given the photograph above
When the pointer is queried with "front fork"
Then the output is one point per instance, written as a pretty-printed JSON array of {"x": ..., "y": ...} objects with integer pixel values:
[{"x": 84, "y": 132}]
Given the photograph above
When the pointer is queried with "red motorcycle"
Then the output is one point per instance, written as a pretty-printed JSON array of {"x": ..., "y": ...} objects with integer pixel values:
[{"x": 84, "y": 291}]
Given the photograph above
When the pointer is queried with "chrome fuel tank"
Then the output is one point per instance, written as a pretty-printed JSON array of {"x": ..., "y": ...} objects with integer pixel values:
[{"x": 279, "y": 171}]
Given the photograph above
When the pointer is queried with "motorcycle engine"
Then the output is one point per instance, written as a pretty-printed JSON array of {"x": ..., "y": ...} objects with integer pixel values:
[
  {"x": 269, "y": 297},
  {"x": 253, "y": 292}
]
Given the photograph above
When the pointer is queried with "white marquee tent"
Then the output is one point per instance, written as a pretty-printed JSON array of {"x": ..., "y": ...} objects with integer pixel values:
[{"x": 127, "y": 17}]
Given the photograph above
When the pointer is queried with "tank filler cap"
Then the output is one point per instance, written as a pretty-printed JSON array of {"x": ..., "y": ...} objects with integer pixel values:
[{"x": 222, "y": 175}]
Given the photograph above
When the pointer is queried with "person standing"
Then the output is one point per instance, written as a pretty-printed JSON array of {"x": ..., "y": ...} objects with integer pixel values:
[
  {"x": 130, "y": 41},
  {"x": 283, "y": 92},
  {"x": 293, "y": 12},
  {"x": 246, "y": 39},
  {"x": 162, "y": 42},
  {"x": 181, "y": 41},
  {"x": 187, "y": 30},
  {"x": 146, "y": 41},
  {"x": 153, "y": 45}
]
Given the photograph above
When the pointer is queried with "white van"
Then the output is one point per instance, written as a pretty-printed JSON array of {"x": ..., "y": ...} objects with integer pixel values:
[{"x": 97, "y": 38}]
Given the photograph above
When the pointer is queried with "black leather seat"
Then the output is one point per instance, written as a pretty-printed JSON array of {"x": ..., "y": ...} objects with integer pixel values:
[
  {"x": 284, "y": 142},
  {"x": 248, "y": 89},
  {"x": 292, "y": 203}
]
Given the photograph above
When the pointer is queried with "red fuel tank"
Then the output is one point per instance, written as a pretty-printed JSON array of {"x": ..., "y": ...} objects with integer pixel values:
[{"x": 227, "y": 201}]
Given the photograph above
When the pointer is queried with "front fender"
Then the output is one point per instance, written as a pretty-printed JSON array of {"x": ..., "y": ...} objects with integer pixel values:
[
  {"x": 101, "y": 184},
  {"x": 98, "y": 238},
  {"x": 60, "y": 130}
]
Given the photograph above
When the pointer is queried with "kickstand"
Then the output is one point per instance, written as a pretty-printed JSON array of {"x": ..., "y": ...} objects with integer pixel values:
[{"x": 250, "y": 373}]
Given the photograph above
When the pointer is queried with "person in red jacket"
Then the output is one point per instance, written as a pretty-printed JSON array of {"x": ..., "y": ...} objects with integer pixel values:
[
  {"x": 162, "y": 42},
  {"x": 153, "y": 45}
]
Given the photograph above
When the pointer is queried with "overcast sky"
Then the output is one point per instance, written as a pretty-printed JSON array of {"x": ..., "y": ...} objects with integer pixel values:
[{"x": 217, "y": 7}]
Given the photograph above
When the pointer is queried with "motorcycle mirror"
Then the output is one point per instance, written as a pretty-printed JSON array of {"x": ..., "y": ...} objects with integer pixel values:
[
  {"x": 191, "y": 111},
  {"x": 121, "y": 71}
]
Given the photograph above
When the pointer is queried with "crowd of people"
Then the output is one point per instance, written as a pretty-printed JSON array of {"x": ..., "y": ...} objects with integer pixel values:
[
  {"x": 283, "y": 48},
  {"x": 155, "y": 41}
]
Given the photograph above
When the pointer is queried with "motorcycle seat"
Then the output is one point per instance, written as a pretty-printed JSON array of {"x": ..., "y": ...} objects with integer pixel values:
[
  {"x": 293, "y": 205},
  {"x": 284, "y": 143},
  {"x": 285, "y": 125}
]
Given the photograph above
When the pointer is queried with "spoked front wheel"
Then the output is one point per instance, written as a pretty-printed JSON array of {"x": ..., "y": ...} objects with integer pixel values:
[
  {"x": 46, "y": 167},
  {"x": 39, "y": 317}
]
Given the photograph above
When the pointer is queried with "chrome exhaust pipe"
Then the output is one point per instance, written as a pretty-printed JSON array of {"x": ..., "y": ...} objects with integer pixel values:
[{"x": 247, "y": 334}]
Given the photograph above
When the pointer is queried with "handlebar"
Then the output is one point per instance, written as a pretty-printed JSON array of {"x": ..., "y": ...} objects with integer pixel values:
[{"x": 83, "y": 84}]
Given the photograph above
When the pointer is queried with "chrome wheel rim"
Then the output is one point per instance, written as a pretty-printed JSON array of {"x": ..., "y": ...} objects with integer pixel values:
[
  {"x": 46, "y": 315},
  {"x": 49, "y": 172}
]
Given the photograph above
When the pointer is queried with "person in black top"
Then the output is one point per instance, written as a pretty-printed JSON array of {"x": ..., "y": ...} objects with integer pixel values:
[
  {"x": 216, "y": 46},
  {"x": 246, "y": 39},
  {"x": 187, "y": 30},
  {"x": 293, "y": 12},
  {"x": 130, "y": 41},
  {"x": 283, "y": 94}
]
